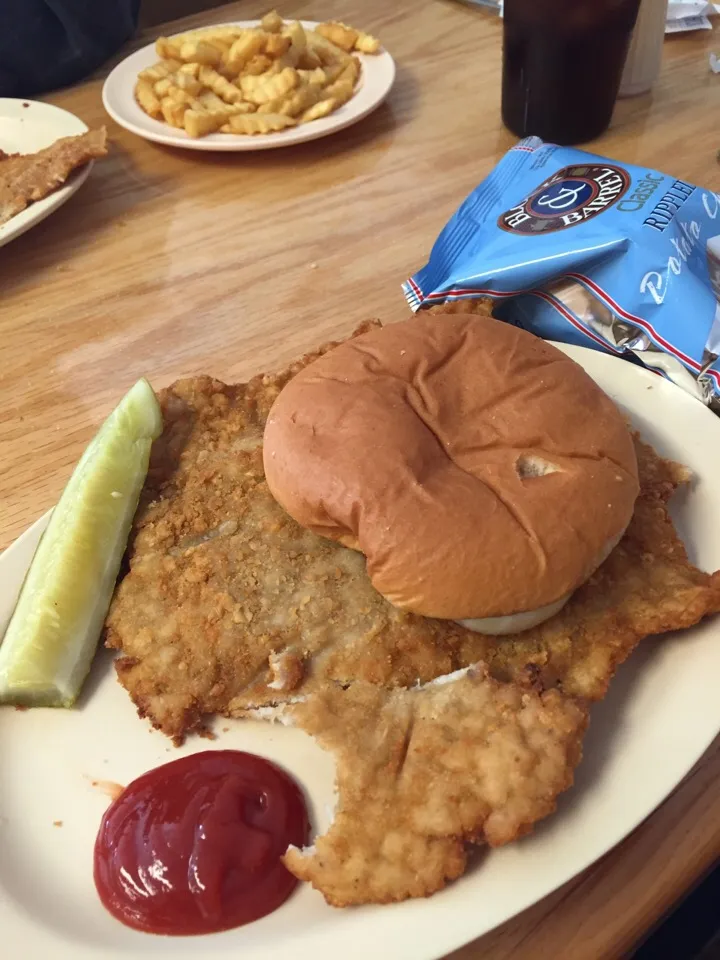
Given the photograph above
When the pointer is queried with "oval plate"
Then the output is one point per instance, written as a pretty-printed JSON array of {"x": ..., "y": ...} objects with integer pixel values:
[
  {"x": 376, "y": 79},
  {"x": 661, "y": 714},
  {"x": 27, "y": 126}
]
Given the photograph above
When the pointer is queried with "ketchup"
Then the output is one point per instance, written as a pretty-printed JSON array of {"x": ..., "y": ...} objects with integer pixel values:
[{"x": 194, "y": 846}]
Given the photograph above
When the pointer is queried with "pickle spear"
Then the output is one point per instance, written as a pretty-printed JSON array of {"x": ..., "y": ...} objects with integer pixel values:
[{"x": 51, "y": 638}]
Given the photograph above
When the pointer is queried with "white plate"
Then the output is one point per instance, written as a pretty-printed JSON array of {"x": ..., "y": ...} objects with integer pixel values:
[
  {"x": 661, "y": 714},
  {"x": 376, "y": 79},
  {"x": 27, "y": 126}
]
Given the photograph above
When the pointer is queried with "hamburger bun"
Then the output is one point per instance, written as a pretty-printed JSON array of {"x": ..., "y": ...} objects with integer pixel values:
[{"x": 481, "y": 471}]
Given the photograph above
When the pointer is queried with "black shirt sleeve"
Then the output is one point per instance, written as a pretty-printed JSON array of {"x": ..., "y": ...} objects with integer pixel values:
[{"x": 50, "y": 43}]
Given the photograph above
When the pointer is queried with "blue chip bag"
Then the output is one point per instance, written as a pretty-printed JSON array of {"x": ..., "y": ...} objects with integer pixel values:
[{"x": 577, "y": 248}]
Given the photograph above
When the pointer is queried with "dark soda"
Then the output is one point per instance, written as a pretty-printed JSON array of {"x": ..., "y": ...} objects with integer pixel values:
[{"x": 562, "y": 65}]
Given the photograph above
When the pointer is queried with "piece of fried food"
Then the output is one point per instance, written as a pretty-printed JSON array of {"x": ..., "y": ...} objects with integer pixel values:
[
  {"x": 323, "y": 108},
  {"x": 260, "y": 64},
  {"x": 200, "y": 51},
  {"x": 295, "y": 103},
  {"x": 165, "y": 68},
  {"x": 481, "y": 306},
  {"x": 421, "y": 772},
  {"x": 26, "y": 178},
  {"x": 366, "y": 43},
  {"x": 269, "y": 89},
  {"x": 221, "y": 580},
  {"x": 173, "y": 112},
  {"x": 199, "y": 123},
  {"x": 249, "y": 44},
  {"x": 223, "y": 34},
  {"x": 147, "y": 99},
  {"x": 339, "y": 92},
  {"x": 250, "y": 124},
  {"x": 272, "y": 22},
  {"x": 338, "y": 34},
  {"x": 219, "y": 85}
]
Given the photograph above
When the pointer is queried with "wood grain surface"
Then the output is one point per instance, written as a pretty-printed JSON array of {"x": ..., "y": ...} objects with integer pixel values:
[{"x": 170, "y": 263}]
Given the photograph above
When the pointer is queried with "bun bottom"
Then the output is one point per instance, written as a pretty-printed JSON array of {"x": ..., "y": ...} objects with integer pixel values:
[
  {"x": 527, "y": 619},
  {"x": 514, "y": 622}
]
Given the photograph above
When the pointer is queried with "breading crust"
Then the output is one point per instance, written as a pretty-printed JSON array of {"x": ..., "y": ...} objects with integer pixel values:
[
  {"x": 423, "y": 772},
  {"x": 222, "y": 582}
]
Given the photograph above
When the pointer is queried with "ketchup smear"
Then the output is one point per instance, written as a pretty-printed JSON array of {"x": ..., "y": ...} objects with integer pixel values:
[{"x": 195, "y": 845}]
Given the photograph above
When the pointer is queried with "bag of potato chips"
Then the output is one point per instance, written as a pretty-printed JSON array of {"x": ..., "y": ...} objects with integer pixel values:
[{"x": 577, "y": 248}]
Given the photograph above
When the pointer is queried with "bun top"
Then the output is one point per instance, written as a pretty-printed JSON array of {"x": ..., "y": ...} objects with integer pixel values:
[{"x": 479, "y": 469}]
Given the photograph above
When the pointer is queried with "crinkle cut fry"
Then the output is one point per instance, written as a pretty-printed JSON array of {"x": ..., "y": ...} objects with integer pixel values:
[
  {"x": 422, "y": 772},
  {"x": 221, "y": 581}
]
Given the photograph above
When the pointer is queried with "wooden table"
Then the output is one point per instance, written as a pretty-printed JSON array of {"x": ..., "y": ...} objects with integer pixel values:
[{"x": 169, "y": 263}]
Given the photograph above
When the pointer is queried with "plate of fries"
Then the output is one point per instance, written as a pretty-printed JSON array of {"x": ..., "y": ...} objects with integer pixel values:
[{"x": 250, "y": 85}]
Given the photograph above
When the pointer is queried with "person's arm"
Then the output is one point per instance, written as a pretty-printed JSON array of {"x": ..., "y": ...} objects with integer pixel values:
[{"x": 50, "y": 43}]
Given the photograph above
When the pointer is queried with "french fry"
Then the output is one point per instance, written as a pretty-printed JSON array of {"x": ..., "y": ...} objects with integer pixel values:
[
  {"x": 224, "y": 47},
  {"x": 219, "y": 85},
  {"x": 294, "y": 104},
  {"x": 316, "y": 77},
  {"x": 295, "y": 32},
  {"x": 167, "y": 49},
  {"x": 145, "y": 96},
  {"x": 248, "y": 83},
  {"x": 340, "y": 91},
  {"x": 222, "y": 36},
  {"x": 189, "y": 83},
  {"x": 211, "y": 101},
  {"x": 249, "y": 43},
  {"x": 180, "y": 96},
  {"x": 276, "y": 44},
  {"x": 272, "y": 88},
  {"x": 243, "y": 106},
  {"x": 189, "y": 69},
  {"x": 199, "y": 123},
  {"x": 280, "y": 64},
  {"x": 366, "y": 43},
  {"x": 272, "y": 22},
  {"x": 160, "y": 89},
  {"x": 199, "y": 51},
  {"x": 250, "y": 124},
  {"x": 225, "y": 33},
  {"x": 226, "y": 71},
  {"x": 327, "y": 52},
  {"x": 173, "y": 112},
  {"x": 323, "y": 108},
  {"x": 333, "y": 71},
  {"x": 351, "y": 71},
  {"x": 160, "y": 70},
  {"x": 251, "y": 82},
  {"x": 309, "y": 60},
  {"x": 257, "y": 65},
  {"x": 338, "y": 34}
]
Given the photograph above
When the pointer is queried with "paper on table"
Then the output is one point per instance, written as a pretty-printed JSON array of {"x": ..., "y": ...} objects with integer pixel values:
[{"x": 684, "y": 15}]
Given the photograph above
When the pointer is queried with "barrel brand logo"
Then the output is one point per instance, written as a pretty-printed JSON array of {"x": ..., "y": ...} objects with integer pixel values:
[{"x": 572, "y": 195}]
